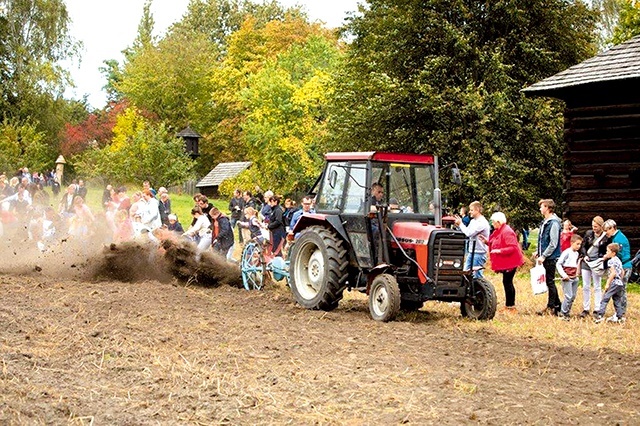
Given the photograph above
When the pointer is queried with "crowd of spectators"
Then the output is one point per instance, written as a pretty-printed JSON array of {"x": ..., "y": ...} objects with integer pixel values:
[{"x": 29, "y": 213}]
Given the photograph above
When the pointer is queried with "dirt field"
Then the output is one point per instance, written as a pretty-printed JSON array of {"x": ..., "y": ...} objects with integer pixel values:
[{"x": 78, "y": 350}]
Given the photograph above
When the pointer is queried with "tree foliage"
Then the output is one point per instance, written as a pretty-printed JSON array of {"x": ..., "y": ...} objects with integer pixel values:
[
  {"x": 95, "y": 130},
  {"x": 628, "y": 24},
  {"x": 140, "y": 150},
  {"x": 444, "y": 77},
  {"x": 609, "y": 14},
  {"x": 21, "y": 144},
  {"x": 34, "y": 38},
  {"x": 178, "y": 76},
  {"x": 282, "y": 75}
]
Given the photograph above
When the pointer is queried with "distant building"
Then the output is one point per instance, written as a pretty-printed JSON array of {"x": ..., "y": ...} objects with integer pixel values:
[
  {"x": 191, "y": 139},
  {"x": 223, "y": 171},
  {"x": 602, "y": 135}
]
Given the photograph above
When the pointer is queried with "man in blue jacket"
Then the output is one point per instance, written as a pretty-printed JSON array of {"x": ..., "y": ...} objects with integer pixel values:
[{"x": 548, "y": 252}]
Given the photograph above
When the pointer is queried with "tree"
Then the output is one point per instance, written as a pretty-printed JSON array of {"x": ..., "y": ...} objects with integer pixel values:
[
  {"x": 22, "y": 144},
  {"x": 444, "y": 77},
  {"x": 178, "y": 77},
  {"x": 95, "y": 130},
  {"x": 140, "y": 150},
  {"x": 628, "y": 25},
  {"x": 609, "y": 13},
  {"x": 35, "y": 37}
]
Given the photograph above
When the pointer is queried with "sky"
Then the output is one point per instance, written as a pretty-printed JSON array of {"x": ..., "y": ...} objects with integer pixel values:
[{"x": 108, "y": 27}]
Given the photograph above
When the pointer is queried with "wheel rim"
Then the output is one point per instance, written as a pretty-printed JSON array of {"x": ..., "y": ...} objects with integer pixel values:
[
  {"x": 309, "y": 271},
  {"x": 252, "y": 267},
  {"x": 380, "y": 300},
  {"x": 475, "y": 306}
]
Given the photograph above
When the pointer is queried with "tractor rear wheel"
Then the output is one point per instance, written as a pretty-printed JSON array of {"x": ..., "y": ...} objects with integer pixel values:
[
  {"x": 318, "y": 268},
  {"x": 384, "y": 298},
  {"x": 482, "y": 303}
]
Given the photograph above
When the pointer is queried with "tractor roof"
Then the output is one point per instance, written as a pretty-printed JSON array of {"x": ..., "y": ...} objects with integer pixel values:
[{"x": 389, "y": 157}]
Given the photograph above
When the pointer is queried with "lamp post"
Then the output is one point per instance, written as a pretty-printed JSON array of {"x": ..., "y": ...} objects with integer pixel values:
[{"x": 60, "y": 162}]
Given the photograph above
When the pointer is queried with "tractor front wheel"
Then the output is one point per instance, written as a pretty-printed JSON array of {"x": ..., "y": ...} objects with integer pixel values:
[
  {"x": 318, "y": 268},
  {"x": 384, "y": 298},
  {"x": 481, "y": 305}
]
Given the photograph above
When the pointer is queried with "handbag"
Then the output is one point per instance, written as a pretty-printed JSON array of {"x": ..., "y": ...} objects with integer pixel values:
[
  {"x": 538, "y": 279},
  {"x": 596, "y": 265}
]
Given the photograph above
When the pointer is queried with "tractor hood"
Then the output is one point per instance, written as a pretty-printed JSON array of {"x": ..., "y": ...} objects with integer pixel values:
[{"x": 411, "y": 234}]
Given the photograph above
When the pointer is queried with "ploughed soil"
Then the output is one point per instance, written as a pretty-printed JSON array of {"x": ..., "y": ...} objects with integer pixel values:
[{"x": 81, "y": 343}]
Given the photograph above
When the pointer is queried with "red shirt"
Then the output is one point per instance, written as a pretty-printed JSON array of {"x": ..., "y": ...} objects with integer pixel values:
[
  {"x": 510, "y": 256},
  {"x": 565, "y": 240}
]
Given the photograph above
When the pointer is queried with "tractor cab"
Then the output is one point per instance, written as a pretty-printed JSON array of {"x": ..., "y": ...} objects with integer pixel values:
[{"x": 368, "y": 189}]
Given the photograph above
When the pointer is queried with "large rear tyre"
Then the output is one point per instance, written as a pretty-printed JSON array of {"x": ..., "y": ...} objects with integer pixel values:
[
  {"x": 482, "y": 303},
  {"x": 384, "y": 298},
  {"x": 318, "y": 268}
]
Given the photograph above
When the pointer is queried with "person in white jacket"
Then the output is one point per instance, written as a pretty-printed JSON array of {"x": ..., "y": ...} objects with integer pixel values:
[
  {"x": 476, "y": 247},
  {"x": 200, "y": 231},
  {"x": 150, "y": 214}
]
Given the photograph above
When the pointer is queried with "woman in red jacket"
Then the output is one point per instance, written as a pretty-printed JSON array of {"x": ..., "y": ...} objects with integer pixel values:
[{"x": 505, "y": 255}]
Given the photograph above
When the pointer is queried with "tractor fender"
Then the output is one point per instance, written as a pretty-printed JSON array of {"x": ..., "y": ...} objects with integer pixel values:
[
  {"x": 332, "y": 221},
  {"x": 377, "y": 270}
]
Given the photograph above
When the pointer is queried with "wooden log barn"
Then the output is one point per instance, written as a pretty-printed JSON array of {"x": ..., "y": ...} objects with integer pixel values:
[{"x": 602, "y": 137}]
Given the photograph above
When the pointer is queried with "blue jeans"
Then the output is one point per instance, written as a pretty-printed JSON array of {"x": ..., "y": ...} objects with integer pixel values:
[
  {"x": 525, "y": 238},
  {"x": 615, "y": 292},
  {"x": 479, "y": 259}
]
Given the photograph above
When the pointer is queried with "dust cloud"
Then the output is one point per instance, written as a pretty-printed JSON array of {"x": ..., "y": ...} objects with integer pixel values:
[{"x": 129, "y": 262}]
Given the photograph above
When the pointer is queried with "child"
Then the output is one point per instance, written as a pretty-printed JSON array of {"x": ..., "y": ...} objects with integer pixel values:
[
  {"x": 174, "y": 225},
  {"x": 567, "y": 232},
  {"x": 568, "y": 267},
  {"x": 614, "y": 288}
]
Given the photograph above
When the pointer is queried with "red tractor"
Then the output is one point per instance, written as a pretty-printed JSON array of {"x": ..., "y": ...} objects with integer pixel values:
[{"x": 378, "y": 229}]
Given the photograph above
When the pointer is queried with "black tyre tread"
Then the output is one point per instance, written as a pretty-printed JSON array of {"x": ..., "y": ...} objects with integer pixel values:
[
  {"x": 393, "y": 291},
  {"x": 336, "y": 257},
  {"x": 490, "y": 296}
]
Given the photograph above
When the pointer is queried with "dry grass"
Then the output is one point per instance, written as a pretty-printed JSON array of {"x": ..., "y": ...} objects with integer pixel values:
[{"x": 526, "y": 324}]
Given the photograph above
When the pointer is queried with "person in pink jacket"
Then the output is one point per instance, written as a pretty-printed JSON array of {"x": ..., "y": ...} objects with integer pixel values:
[{"x": 506, "y": 256}]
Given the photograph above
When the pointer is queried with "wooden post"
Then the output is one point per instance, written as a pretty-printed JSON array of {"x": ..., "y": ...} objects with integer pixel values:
[{"x": 60, "y": 162}]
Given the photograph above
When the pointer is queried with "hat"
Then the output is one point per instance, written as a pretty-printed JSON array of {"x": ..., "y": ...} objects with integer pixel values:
[{"x": 172, "y": 217}]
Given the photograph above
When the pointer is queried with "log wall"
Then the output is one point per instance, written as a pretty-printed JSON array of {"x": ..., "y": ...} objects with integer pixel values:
[{"x": 602, "y": 167}]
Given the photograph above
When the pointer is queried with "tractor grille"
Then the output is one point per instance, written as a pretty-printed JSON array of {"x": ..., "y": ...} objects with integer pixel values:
[{"x": 446, "y": 260}]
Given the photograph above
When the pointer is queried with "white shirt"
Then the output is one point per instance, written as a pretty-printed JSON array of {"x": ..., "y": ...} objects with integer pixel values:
[
  {"x": 477, "y": 226},
  {"x": 201, "y": 227}
]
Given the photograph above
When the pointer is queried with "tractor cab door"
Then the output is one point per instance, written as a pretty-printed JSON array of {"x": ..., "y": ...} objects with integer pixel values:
[{"x": 344, "y": 192}]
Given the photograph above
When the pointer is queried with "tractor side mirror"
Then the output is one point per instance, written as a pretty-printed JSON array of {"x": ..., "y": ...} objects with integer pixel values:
[{"x": 455, "y": 175}]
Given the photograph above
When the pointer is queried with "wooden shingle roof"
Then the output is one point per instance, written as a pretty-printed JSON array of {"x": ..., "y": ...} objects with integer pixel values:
[
  {"x": 188, "y": 132},
  {"x": 621, "y": 62},
  {"x": 223, "y": 171}
]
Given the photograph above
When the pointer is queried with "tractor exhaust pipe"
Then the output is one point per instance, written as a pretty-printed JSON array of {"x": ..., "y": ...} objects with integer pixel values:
[{"x": 437, "y": 196}]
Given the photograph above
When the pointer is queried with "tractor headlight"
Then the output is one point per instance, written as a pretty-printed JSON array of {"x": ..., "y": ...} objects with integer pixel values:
[{"x": 457, "y": 263}]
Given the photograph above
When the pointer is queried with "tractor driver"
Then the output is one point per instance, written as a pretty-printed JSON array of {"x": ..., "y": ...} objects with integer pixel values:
[{"x": 377, "y": 194}]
